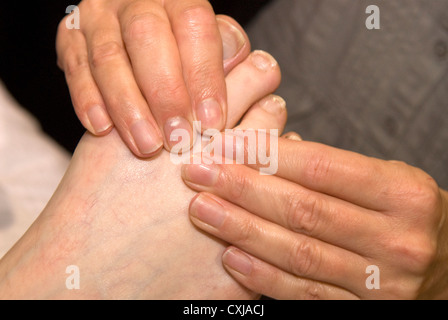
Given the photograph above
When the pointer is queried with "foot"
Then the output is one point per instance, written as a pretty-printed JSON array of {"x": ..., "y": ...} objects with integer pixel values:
[{"x": 123, "y": 221}]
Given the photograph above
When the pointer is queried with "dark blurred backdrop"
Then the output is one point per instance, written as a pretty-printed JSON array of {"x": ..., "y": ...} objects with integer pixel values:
[{"x": 28, "y": 60}]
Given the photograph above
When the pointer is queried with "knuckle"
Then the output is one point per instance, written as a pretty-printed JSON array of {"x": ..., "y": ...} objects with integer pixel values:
[
  {"x": 424, "y": 254},
  {"x": 238, "y": 183},
  {"x": 199, "y": 21},
  {"x": 303, "y": 214},
  {"x": 428, "y": 192},
  {"x": 143, "y": 28},
  {"x": 74, "y": 63},
  {"x": 305, "y": 258},
  {"x": 169, "y": 89},
  {"x": 416, "y": 253},
  {"x": 203, "y": 74},
  {"x": 312, "y": 291},
  {"x": 424, "y": 261},
  {"x": 415, "y": 186},
  {"x": 195, "y": 12},
  {"x": 104, "y": 52},
  {"x": 318, "y": 168},
  {"x": 246, "y": 233},
  {"x": 421, "y": 195}
]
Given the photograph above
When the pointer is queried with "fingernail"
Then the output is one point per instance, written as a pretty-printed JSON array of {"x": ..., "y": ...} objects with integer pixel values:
[
  {"x": 263, "y": 60},
  {"x": 238, "y": 261},
  {"x": 294, "y": 137},
  {"x": 99, "y": 119},
  {"x": 145, "y": 137},
  {"x": 209, "y": 112},
  {"x": 232, "y": 39},
  {"x": 201, "y": 174},
  {"x": 274, "y": 105},
  {"x": 208, "y": 211},
  {"x": 230, "y": 146},
  {"x": 178, "y": 132}
]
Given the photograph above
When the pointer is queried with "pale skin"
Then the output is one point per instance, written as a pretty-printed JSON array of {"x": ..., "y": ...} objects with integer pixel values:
[
  {"x": 335, "y": 213},
  {"x": 124, "y": 220},
  {"x": 169, "y": 57},
  {"x": 311, "y": 231}
]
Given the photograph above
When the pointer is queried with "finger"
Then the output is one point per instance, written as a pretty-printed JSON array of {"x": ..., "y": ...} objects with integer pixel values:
[
  {"x": 256, "y": 77},
  {"x": 236, "y": 44},
  {"x": 124, "y": 101},
  {"x": 200, "y": 46},
  {"x": 261, "y": 277},
  {"x": 292, "y": 136},
  {"x": 86, "y": 97},
  {"x": 263, "y": 83},
  {"x": 352, "y": 177},
  {"x": 294, "y": 253},
  {"x": 288, "y": 204},
  {"x": 156, "y": 63},
  {"x": 268, "y": 113},
  {"x": 257, "y": 83}
]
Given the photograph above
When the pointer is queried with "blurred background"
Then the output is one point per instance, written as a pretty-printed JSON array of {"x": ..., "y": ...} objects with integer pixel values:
[{"x": 28, "y": 60}]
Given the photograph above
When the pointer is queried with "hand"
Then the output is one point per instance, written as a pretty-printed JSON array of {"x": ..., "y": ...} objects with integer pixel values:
[
  {"x": 123, "y": 221},
  {"x": 149, "y": 67},
  {"x": 313, "y": 230}
]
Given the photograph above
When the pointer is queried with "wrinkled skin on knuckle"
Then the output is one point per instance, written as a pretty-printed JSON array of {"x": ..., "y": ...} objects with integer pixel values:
[
  {"x": 143, "y": 29},
  {"x": 302, "y": 213},
  {"x": 293, "y": 213},
  {"x": 237, "y": 183},
  {"x": 101, "y": 53},
  {"x": 245, "y": 234},
  {"x": 122, "y": 109},
  {"x": 90, "y": 11},
  {"x": 414, "y": 189},
  {"x": 318, "y": 167},
  {"x": 167, "y": 89},
  {"x": 304, "y": 259},
  {"x": 74, "y": 62},
  {"x": 197, "y": 17},
  {"x": 203, "y": 76},
  {"x": 410, "y": 253},
  {"x": 423, "y": 253},
  {"x": 300, "y": 217},
  {"x": 312, "y": 290}
]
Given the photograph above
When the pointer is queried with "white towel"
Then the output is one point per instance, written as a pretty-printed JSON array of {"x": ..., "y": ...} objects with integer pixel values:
[{"x": 31, "y": 166}]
